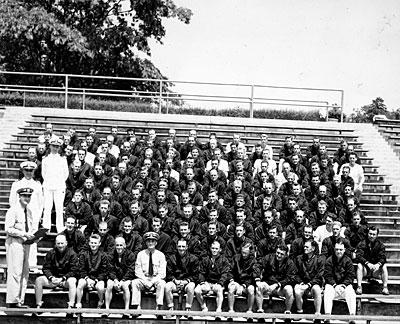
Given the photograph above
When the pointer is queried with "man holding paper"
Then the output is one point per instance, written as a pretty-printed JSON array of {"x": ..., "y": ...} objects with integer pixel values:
[{"x": 19, "y": 228}]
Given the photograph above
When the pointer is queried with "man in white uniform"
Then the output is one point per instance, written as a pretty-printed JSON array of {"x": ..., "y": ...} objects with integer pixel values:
[
  {"x": 36, "y": 204},
  {"x": 18, "y": 226},
  {"x": 55, "y": 173}
]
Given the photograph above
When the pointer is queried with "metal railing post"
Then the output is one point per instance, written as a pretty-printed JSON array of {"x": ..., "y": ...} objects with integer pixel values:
[
  {"x": 23, "y": 99},
  {"x": 251, "y": 100},
  {"x": 341, "y": 105},
  {"x": 83, "y": 99},
  {"x": 66, "y": 92},
  {"x": 160, "y": 97},
  {"x": 327, "y": 111}
]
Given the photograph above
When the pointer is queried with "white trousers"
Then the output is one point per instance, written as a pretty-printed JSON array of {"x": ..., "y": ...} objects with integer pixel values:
[
  {"x": 348, "y": 294},
  {"x": 17, "y": 270},
  {"x": 55, "y": 196}
]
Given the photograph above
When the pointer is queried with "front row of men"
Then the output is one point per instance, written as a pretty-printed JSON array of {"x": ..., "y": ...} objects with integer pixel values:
[{"x": 274, "y": 274}]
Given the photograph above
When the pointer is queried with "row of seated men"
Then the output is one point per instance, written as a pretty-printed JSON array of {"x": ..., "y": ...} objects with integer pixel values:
[{"x": 249, "y": 272}]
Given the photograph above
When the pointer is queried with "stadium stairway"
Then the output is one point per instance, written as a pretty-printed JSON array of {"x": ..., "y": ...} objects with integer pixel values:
[
  {"x": 390, "y": 130},
  {"x": 379, "y": 202}
]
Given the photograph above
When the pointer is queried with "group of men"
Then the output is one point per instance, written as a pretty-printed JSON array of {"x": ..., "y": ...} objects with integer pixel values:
[{"x": 153, "y": 214}]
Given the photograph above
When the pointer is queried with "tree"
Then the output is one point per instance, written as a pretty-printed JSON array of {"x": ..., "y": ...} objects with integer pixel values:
[
  {"x": 366, "y": 113},
  {"x": 95, "y": 37}
]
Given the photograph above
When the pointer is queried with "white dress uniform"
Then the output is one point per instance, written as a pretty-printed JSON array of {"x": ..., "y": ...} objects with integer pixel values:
[
  {"x": 17, "y": 253},
  {"x": 54, "y": 173}
]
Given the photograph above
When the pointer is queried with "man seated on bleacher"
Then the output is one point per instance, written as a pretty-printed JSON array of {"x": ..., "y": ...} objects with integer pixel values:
[
  {"x": 182, "y": 270},
  {"x": 121, "y": 273},
  {"x": 214, "y": 274},
  {"x": 60, "y": 268},
  {"x": 93, "y": 268},
  {"x": 274, "y": 275},
  {"x": 339, "y": 275},
  {"x": 310, "y": 272},
  {"x": 371, "y": 258},
  {"x": 150, "y": 271},
  {"x": 242, "y": 282}
]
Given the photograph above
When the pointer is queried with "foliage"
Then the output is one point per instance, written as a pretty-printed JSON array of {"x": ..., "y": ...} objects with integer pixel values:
[
  {"x": 366, "y": 113},
  {"x": 75, "y": 102},
  {"x": 97, "y": 37}
]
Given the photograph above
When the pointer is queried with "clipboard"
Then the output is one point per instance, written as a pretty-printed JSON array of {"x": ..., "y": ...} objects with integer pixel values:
[{"x": 41, "y": 232}]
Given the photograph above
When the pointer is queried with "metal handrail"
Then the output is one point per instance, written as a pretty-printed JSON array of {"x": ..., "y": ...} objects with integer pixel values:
[{"x": 162, "y": 95}]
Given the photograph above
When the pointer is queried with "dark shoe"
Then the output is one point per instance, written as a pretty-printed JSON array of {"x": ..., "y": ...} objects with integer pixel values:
[
  {"x": 217, "y": 319},
  {"x": 104, "y": 315},
  {"x": 125, "y": 316},
  {"x": 69, "y": 315},
  {"x": 327, "y": 321},
  {"x": 317, "y": 321},
  {"x": 352, "y": 322}
]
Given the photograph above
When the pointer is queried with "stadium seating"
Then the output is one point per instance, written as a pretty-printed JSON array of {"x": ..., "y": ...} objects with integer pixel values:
[{"x": 377, "y": 202}]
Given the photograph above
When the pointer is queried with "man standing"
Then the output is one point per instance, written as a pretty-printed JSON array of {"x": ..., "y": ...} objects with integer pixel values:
[
  {"x": 55, "y": 173},
  {"x": 339, "y": 275},
  {"x": 36, "y": 204},
  {"x": 59, "y": 269},
  {"x": 150, "y": 271},
  {"x": 18, "y": 226}
]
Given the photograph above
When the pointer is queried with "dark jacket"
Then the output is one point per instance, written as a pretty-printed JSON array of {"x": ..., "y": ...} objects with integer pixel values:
[
  {"x": 269, "y": 270},
  {"x": 242, "y": 269},
  {"x": 371, "y": 252},
  {"x": 183, "y": 267},
  {"x": 124, "y": 269},
  {"x": 57, "y": 264},
  {"x": 339, "y": 272},
  {"x": 94, "y": 222},
  {"x": 94, "y": 266},
  {"x": 267, "y": 246},
  {"x": 83, "y": 213},
  {"x": 328, "y": 246},
  {"x": 310, "y": 269},
  {"x": 75, "y": 240},
  {"x": 133, "y": 241},
  {"x": 215, "y": 271},
  {"x": 234, "y": 244}
]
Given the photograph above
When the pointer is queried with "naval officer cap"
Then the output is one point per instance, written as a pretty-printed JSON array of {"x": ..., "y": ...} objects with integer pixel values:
[
  {"x": 28, "y": 165},
  {"x": 151, "y": 236},
  {"x": 25, "y": 191}
]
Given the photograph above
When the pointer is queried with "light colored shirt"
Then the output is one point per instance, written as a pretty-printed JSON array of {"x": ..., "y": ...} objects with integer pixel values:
[
  {"x": 15, "y": 221},
  {"x": 142, "y": 265},
  {"x": 54, "y": 172},
  {"x": 357, "y": 173},
  {"x": 36, "y": 203}
]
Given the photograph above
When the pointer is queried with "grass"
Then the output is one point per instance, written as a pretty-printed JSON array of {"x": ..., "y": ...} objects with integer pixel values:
[{"x": 135, "y": 105}]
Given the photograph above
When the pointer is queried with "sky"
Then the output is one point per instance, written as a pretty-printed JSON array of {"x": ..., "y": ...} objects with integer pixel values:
[{"x": 352, "y": 45}]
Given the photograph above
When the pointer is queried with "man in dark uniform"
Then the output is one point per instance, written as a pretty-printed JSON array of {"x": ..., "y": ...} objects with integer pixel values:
[
  {"x": 182, "y": 275},
  {"x": 371, "y": 258},
  {"x": 339, "y": 275},
  {"x": 59, "y": 270},
  {"x": 122, "y": 271},
  {"x": 93, "y": 268},
  {"x": 274, "y": 275}
]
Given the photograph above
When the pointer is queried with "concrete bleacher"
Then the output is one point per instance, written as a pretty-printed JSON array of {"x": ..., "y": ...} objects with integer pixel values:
[
  {"x": 378, "y": 202},
  {"x": 390, "y": 130}
]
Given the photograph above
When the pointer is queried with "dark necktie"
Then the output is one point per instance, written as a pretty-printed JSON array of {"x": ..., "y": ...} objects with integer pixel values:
[
  {"x": 151, "y": 271},
  {"x": 26, "y": 220}
]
